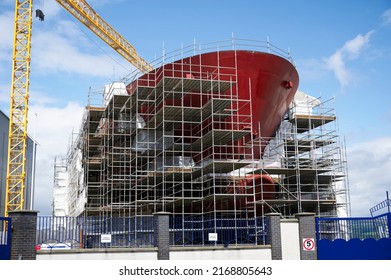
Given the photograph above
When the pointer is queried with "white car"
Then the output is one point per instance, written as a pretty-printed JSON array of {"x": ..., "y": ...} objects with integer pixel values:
[{"x": 53, "y": 246}]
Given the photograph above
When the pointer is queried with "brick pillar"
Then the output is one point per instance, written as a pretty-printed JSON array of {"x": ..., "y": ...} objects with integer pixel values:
[
  {"x": 23, "y": 235},
  {"x": 274, "y": 235},
  {"x": 307, "y": 231},
  {"x": 162, "y": 235}
]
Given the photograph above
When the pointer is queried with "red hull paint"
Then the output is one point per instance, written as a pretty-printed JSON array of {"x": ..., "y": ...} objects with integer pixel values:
[
  {"x": 264, "y": 189},
  {"x": 270, "y": 80}
]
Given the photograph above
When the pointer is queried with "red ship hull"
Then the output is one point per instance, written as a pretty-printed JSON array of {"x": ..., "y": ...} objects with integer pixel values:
[
  {"x": 262, "y": 84},
  {"x": 268, "y": 80}
]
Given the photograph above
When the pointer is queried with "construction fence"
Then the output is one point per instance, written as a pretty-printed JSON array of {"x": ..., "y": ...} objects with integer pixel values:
[
  {"x": 117, "y": 232},
  {"x": 366, "y": 238}
]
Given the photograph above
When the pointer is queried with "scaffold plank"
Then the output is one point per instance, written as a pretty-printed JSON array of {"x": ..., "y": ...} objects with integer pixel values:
[
  {"x": 219, "y": 137},
  {"x": 194, "y": 85},
  {"x": 307, "y": 122},
  {"x": 295, "y": 146}
]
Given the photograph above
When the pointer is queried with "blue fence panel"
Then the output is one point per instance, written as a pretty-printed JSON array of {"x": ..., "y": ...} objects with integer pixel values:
[
  {"x": 98, "y": 232},
  {"x": 187, "y": 230},
  {"x": 5, "y": 238},
  {"x": 143, "y": 231},
  {"x": 353, "y": 228},
  {"x": 354, "y": 238},
  {"x": 195, "y": 230},
  {"x": 59, "y": 232},
  {"x": 94, "y": 232}
]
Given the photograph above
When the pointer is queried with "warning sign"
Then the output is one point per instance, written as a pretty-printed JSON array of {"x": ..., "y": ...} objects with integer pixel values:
[{"x": 308, "y": 244}]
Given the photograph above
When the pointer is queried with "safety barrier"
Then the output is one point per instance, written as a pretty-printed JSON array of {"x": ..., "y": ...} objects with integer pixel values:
[
  {"x": 354, "y": 238},
  {"x": 101, "y": 232}
]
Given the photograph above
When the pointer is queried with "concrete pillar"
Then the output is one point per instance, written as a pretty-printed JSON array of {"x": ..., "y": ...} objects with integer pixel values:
[
  {"x": 162, "y": 235},
  {"x": 307, "y": 234},
  {"x": 24, "y": 234},
  {"x": 274, "y": 234}
]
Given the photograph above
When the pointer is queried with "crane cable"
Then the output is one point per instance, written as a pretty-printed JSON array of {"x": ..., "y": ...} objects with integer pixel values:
[{"x": 93, "y": 41}]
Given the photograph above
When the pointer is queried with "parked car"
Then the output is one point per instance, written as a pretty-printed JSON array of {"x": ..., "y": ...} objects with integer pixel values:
[{"x": 53, "y": 246}]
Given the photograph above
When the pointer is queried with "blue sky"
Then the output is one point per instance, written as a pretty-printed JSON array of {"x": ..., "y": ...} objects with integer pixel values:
[{"x": 342, "y": 50}]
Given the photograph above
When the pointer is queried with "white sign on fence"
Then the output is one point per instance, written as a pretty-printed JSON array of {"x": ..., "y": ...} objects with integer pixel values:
[
  {"x": 105, "y": 238},
  {"x": 212, "y": 237}
]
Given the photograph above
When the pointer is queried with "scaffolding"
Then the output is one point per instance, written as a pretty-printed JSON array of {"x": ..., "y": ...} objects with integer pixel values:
[
  {"x": 60, "y": 188},
  {"x": 168, "y": 143},
  {"x": 307, "y": 160},
  {"x": 181, "y": 140},
  {"x": 69, "y": 190}
]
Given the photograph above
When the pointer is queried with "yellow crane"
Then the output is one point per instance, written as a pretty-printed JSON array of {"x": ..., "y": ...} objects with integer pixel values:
[{"x": 80, "y": 9}]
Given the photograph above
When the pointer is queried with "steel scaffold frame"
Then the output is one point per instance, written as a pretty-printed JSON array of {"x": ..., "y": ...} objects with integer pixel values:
[
  {"x": 308, "y": 161},
  {"x": 129, "y": 151}
]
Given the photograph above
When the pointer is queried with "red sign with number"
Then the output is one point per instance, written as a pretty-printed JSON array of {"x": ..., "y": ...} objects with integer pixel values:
[{"x": 309, "y": 244}]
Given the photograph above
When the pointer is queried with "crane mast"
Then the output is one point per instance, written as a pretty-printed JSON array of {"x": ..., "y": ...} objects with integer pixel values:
[
  {"x": 15, "y": 181},
  {"x": 17, "y": 140}
]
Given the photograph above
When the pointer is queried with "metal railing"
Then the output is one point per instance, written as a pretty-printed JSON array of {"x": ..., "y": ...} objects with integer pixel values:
[
  {"x": 195, "y": 231},
  {"x": 354, "y": 228},
  {"x": 89, "y": 232},
  {"x": 117, "y": 232}
]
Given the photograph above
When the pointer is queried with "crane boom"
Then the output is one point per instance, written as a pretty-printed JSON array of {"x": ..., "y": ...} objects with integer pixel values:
[
  {"x": 17, "y": 137},
  {"x": 15, "y": 181},
  {"x": 81, "y": 10}
]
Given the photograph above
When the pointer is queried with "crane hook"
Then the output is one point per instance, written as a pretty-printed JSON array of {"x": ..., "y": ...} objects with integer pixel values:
[{"x": 39, "y": 14}]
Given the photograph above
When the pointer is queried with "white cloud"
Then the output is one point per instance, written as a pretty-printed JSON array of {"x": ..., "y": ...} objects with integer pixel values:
[
  {"x": 351, "y": 50},
  {"x": 6, "y": 35},
  {"x": 54, "y": 127},
  {"x": 5, "y": 93},
  {"x": 311, "y": 69},
  {"x": 337, "y": 64},
  {"x": 62, "y": 51},
  {"x": 353, "y": 47},
  {"x": 71, "y": 31},
  {"x": 369, "y": 174},
  {"x": 386, "y": 17},
  {"x": 60, "y": 45}
]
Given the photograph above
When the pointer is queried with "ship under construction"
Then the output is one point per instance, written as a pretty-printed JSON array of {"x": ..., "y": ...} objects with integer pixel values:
[{"x": 214, "y": 132}]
